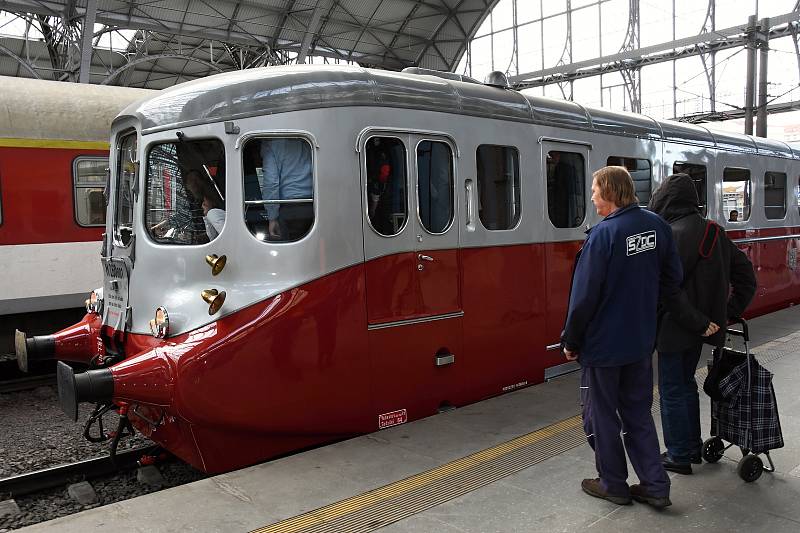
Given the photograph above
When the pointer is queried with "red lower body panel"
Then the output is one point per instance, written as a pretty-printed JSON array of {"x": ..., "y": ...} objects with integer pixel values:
[{"x": 308, "y": 366}]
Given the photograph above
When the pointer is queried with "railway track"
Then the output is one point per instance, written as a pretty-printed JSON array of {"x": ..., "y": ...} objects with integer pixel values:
[
  {"x": 26, "y": 383},
  {"x": 12, "y": 380},
  {"x": 56, "y": 476}
]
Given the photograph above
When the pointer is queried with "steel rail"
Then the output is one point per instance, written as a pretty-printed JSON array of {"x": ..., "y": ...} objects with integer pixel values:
[
  {"x": 26, "y": 383},
  {"x": 55, "y": 476}
]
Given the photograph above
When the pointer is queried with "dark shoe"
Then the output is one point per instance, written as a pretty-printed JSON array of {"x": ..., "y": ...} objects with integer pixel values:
[
  {"x": 672, "y": 466},
  {"x": 694, "y": 459},
  {"x": 592, "y": 487},
  {"x": 640, "y": 494}
]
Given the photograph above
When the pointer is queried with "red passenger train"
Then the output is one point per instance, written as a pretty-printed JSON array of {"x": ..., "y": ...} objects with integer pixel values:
[
  {"x": 53, "y": 161},
  {"x": 294, "y": 255}
]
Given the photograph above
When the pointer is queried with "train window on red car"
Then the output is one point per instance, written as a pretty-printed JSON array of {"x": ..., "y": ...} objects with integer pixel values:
[
  {"x": 278, "y": 174},
  {"x": 698, "y": 174},
  {"x": 185, "y": 198},
  {"x": 736, "y": 197},
  {"x": 498, "y": 186},
  {"x": 641, "y": 172},
  {"x": 775, "y": 195},
  {"x": 435, "y": 185},
  {"x": 89, "y": 178},
  {"x": 387, "y": 202},
  {"x": 566, "y": 197}
]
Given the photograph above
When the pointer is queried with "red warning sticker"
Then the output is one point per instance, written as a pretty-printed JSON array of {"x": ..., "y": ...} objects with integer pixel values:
[{"x": 392, "y": 419}]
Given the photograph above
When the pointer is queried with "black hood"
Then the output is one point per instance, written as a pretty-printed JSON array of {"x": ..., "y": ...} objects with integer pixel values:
[{"x": 675, "y": 198}]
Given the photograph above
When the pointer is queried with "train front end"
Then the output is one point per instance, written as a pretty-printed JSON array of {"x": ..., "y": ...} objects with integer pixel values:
[{"x": 226, "y": 327}]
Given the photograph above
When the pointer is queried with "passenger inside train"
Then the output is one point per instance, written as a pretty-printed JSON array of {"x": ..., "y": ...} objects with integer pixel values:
[
  {"x": 201, "y": 189},
  {"x": 185, "y": 197},
  {"x": 386, "y": 184},
  {"x": 279, "y": 188}
]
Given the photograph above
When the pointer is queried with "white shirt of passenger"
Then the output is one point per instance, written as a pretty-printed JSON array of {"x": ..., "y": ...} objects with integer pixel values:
[{"x": 214, "y": 221}]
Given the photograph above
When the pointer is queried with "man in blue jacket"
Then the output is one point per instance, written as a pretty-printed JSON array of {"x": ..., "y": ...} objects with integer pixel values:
[{"x": 627, "y": 263}]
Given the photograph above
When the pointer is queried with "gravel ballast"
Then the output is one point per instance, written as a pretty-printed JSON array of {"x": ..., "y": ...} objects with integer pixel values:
[{"x": 36, "y": 434}]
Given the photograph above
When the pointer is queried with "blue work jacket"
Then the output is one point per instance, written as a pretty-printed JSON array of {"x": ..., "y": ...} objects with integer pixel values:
[{"x": 628, "y": 261}]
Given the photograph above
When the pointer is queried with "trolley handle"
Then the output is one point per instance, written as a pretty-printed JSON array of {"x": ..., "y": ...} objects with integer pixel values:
[{"x": 743, "y": 332}]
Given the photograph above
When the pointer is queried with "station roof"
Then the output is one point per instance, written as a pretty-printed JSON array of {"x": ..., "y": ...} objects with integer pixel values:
[{"x": 388, "y": 34}]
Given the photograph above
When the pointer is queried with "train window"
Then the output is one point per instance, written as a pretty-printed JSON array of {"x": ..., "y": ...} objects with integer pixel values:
[
  {"x": 498, "y": 186},
  {"x": 185, "y": 198},
  {"x": 127, "y": 164},
  {"x": 566, "y": 197},
  {"x": 387, "y": 203},
  {"x": 736, "y": 195},
  {"x": 278, "y": 188},
  {"x": 435, "y": 185},
  {"x": 775, "y": 195},
  {"x": 642, "y": 173},
  {"x": 89, "y": 178},
  {"x": 698, "y": 174}
]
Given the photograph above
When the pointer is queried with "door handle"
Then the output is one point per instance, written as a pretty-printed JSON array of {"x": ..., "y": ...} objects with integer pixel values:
[{"x": 422, "y": 257}]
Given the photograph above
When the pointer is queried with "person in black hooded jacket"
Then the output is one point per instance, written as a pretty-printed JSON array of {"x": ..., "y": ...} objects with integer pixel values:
[{"x": 719, "y": 283}]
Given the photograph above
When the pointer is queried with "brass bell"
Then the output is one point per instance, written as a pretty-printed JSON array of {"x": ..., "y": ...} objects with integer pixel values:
[
  {"x": 217, "y": 263},
  {"x": 214, "y": 299}
]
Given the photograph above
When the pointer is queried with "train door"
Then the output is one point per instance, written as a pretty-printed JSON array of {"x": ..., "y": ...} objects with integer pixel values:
[
  {"x": 565, "y": 168},
  {"x": 412, "y": 273},
  {"x": 118, "y": 251}
]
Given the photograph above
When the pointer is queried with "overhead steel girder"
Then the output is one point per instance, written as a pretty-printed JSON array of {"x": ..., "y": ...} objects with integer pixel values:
[
  {"x": 55, "y": 8},
  {"x": 451, "y": 15},
  {"x": 108, "y": 79},
  {"x": 691, "y": 46},
  {"x": 21, "y": 61},
  {"x": 130, "y": 21},
  {"x": 716, "y": 116}
]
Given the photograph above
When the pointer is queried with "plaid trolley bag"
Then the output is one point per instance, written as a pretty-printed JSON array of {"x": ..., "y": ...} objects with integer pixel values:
[{"x": 744, "y": 410}]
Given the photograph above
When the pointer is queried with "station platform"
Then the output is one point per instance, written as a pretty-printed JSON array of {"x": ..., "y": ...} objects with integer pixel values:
[{"x": 511, "y": 463}]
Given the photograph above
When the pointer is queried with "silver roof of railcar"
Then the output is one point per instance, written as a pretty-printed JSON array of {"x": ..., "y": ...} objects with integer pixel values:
[{"x": 271, "y": 90}]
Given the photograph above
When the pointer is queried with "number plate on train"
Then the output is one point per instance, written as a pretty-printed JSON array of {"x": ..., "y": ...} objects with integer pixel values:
[{"x": 392, "y": 419}]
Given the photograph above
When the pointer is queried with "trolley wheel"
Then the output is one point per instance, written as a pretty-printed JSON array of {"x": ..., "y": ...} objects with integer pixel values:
[
  {"x": 750, "y": 468},
  {"x": 713, "y": 449}
]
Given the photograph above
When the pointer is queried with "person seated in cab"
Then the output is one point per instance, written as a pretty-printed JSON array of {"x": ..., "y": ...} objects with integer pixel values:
[
  {"x": 202, "y": 190},
  {"x": 733, "y": 216}
]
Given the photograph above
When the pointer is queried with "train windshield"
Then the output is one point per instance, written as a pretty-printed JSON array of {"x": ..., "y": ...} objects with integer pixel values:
[{"x": 185, "y": 198}]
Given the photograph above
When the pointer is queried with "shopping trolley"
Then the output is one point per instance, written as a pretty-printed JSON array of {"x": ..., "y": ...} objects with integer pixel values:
[{"x": 744, "y": 411}]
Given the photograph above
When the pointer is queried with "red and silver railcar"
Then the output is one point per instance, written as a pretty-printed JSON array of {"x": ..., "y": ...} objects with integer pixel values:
[
  {"x": 53, "y": 161},
  {"x": 424, "y": 261}
]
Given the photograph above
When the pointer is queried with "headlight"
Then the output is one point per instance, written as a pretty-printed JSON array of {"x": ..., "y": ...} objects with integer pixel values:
[
  {"x": 159, "y": 326},
  {"x": 94, "y": 304}
]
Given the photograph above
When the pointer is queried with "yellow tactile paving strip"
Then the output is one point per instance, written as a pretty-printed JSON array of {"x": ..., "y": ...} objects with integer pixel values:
[
  {"x": 377, "y": 508},
  {"x": 387, "y": 504}
]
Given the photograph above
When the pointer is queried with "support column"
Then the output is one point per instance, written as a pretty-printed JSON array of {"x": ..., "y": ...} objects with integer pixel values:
[
  {"x": 761, "y": 119},
  {"x": 313, "y": 27},
  {"x": 750, "y": 81},
  {"x": 86, "y": 42}
]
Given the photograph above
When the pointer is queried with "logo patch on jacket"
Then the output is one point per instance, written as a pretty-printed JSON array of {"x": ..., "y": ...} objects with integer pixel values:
[{"x": 641, "y": 242}]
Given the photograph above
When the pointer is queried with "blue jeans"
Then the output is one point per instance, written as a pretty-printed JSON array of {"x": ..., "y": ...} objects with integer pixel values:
[{"x": 680, "y": 405}]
